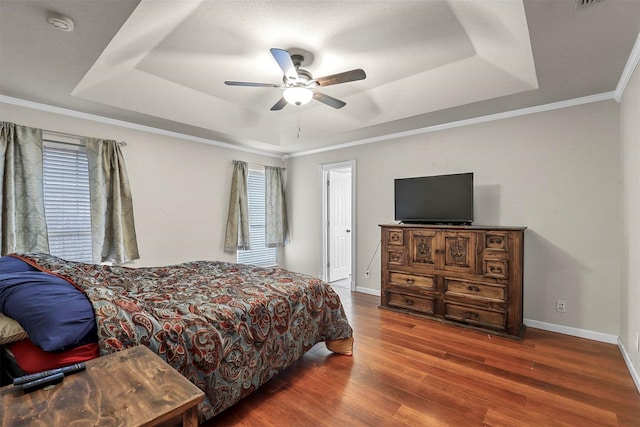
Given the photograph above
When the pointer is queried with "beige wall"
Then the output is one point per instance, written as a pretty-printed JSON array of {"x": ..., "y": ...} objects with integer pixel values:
[
  {"x": 630, "y": 137},
  {"x": 180, "y": 188},
  {"x": 555, "y": 172}
]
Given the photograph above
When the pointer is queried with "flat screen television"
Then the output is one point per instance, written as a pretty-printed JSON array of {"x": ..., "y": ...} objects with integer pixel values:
[{"x": 440, "y": 199}]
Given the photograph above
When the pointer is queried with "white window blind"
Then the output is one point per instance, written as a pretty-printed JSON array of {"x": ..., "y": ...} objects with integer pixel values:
[
  {"x": 259, "y": 254},
  {"x": 67, "y": 201}
]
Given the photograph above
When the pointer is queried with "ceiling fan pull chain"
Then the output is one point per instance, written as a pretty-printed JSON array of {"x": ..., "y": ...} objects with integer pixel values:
[{"x": 299, "y": 125}]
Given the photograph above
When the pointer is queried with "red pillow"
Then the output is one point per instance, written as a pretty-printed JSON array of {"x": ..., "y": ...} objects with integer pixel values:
[{"x": 32, "y": 359}]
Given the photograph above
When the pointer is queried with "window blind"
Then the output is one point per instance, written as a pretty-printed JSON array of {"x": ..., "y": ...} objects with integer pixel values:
[
  {"x": 67, "y": 201},
  {"x": 259, "y": 254}
]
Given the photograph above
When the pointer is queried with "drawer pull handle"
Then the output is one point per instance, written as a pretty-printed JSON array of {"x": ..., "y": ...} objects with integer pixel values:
[
  {"x": 471, "y": 315},
  {"x": 408, "y": 301},
  {"x": 495, "y": 270},
  {"x": 410, "y": 281},
  {"x": 395, "y": 237},
  {"x": 474, "y": 288},
  {"x": 395, "y": 258},
  {"x": 495, "y": 240}
]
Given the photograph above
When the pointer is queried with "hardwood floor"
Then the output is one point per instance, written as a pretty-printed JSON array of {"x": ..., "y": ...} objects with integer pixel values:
[{"x": 412, "y": 372}]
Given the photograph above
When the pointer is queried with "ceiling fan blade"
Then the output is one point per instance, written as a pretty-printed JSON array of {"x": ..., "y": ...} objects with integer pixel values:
[
  {"x": 347, "y": 76},
  {"x": 279, "y": 105},
  {"x": 231, "y": 83},
  {"x": 329, "y": 100},
  {"x": 283, "y": 59}
]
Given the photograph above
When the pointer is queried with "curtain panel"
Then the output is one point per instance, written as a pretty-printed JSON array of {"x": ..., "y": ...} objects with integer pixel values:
[
  {"x": 277, "y": 227},
  {"x": 237, "y": 234},
  {"x": 112, "y": 223},
  {"x": 23, "y": 226}
]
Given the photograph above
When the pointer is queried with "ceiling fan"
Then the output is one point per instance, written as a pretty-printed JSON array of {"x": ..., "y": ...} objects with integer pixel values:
[{"x": 299, "y": 85}]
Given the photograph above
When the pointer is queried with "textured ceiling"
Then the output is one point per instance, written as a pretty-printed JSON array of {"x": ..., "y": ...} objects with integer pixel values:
[{"x": 163, "y": 64}]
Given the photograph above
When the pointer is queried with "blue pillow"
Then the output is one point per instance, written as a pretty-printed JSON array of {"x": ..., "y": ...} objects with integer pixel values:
[
  {"x": 55, "y": 314},
  {"x": 9, "y": 264}
]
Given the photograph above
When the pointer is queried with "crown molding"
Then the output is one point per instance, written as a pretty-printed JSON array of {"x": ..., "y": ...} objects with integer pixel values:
[
  {"x": 460, "y": 123},
  {"x": 632, "y": 63},
  {"x": 129, "y": 125},
  {"x": 435, "y": 128}
]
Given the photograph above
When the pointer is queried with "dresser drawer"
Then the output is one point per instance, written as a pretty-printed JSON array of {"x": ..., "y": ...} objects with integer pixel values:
[
  {"x": 395, "y": 256},
  {"x": 476, "y": 316},
  {"x": 395, "y": 237},
  {"x": 495, "y": 241},
  {"x": 456, "y": 287},
  {"x": 497, "y": 268},
  {"x": 412, "y": 302},
  {"x": 406, "y": 279}
]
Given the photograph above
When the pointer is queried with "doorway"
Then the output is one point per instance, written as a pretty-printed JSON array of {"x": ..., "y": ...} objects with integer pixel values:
[{"x": 338, "y": 223}]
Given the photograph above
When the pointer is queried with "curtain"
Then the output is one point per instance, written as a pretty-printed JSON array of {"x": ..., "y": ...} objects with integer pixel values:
[
  {"x": 23, "y": 226},
  {"x": 112, "y": 225},
  {"x": 277, "y": 225},
  {"x": 237, "y": 235}
]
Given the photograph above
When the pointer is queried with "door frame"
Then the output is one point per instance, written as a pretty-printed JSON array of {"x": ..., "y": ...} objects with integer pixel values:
[{"x": 324, "y": 173}]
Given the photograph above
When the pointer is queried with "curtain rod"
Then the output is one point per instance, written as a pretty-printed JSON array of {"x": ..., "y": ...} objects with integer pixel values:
[
  {"x": 70, "y": 135},
  {"x": 258, "y": 164}
]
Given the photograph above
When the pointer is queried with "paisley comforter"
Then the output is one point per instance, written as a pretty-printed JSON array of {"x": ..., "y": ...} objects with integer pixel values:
[{"x": 228, "y": 328}]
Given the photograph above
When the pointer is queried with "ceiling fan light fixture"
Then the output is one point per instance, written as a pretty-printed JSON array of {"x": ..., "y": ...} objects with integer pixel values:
[
  {"x": 299, "y": 85},
  {"x": 297, "y": 95}
]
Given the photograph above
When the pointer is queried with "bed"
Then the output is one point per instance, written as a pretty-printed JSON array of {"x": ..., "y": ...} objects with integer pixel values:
[{"x": 226, "y": 327}]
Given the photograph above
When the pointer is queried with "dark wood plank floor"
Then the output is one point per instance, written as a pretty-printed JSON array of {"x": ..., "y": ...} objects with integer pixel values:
[{"x": 412, "y": 372}]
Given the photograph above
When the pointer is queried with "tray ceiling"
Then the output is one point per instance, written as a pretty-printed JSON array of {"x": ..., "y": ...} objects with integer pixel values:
[{"x": 164, "y": 64}]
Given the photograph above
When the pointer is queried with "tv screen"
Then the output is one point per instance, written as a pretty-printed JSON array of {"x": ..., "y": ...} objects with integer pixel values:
[{"x": 446, "y": 199}]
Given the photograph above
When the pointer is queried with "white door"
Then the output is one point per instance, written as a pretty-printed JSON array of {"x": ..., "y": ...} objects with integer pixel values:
[{"x": 339, "y": 191}]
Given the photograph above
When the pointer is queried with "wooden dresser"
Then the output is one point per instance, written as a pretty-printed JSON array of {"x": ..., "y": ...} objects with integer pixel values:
[{"x": 467, "y": 275}]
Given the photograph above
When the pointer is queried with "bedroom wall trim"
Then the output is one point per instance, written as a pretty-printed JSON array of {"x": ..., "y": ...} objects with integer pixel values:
[
  {"x": 632, "y": 63},
  {"x": 157, "y": 131},
  {"x": 607, "y": 96},
  {"x": 368, "y": 291},
  {"x": 576, "y": 332},
  {"x": 627, "y": 360},
  {"x": 551, "y": 327},
  {"x": 451, "y": 125}
]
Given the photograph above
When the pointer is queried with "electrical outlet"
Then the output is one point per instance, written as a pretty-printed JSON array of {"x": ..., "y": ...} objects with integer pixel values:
[
  {"x": 561, "y": 305},
  {"x": 366, "y": 274}
]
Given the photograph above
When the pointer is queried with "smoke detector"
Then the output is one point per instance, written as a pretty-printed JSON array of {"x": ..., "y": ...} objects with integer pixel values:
[{"x": 60, "y": 22}]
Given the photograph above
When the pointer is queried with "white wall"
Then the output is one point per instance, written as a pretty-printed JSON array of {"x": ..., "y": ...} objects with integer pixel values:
[
  {"x": 180, "y": 188},
  {"x": 555, "y": 172},
  {"x": 630, "y": 140}
]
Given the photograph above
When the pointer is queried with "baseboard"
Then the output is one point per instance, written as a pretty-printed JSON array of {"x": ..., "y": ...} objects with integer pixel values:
[
  {"x": 552, "y": 327},
  {"x": 576, "y": 332},
  {"x": 627, "y": 360},
  {"x": 567, "y": 330},
  {"x": 368, "y": 291}
]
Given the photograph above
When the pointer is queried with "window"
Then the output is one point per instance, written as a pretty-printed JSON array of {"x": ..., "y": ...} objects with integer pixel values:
[
  {"x": 259, "y": 254},
  {"x": 67, "y": 200}
]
